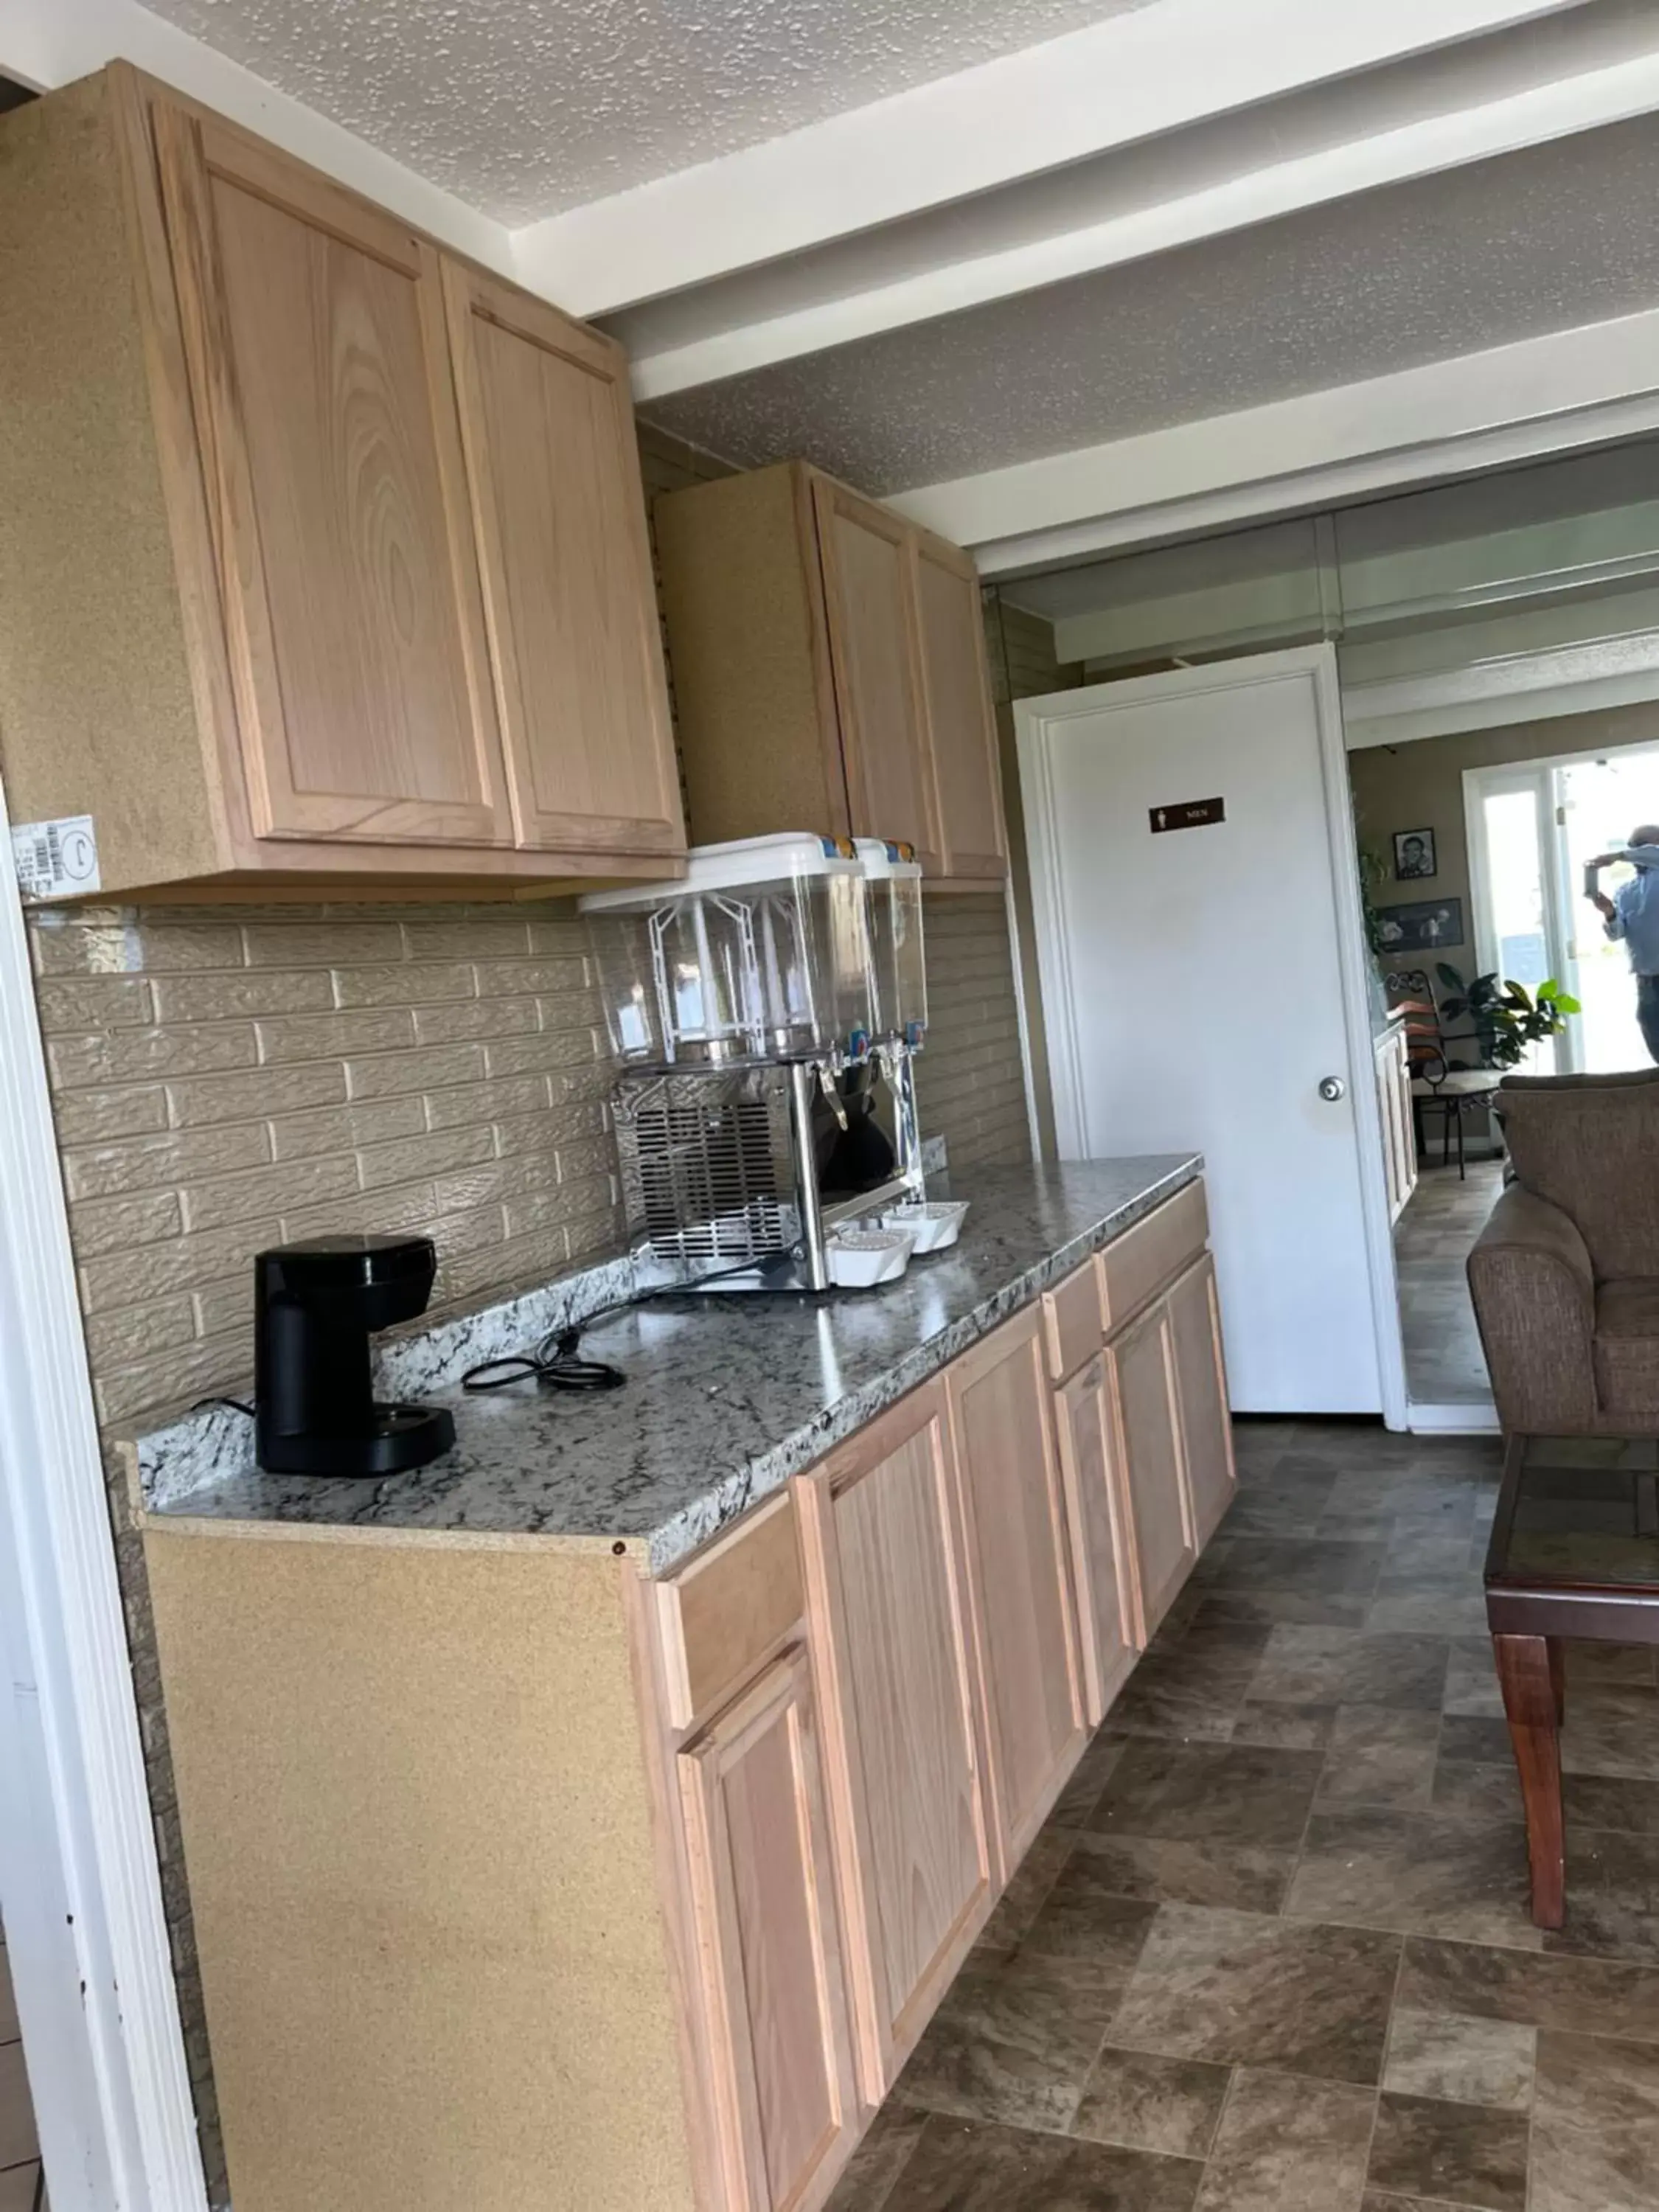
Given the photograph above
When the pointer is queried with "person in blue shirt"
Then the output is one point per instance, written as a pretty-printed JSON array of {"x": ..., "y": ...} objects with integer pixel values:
[{"x": 1632, "y": 915}]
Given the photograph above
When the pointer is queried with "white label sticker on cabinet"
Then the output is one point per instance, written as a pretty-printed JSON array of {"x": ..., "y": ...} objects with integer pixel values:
[{"x": 56, "y": 860}]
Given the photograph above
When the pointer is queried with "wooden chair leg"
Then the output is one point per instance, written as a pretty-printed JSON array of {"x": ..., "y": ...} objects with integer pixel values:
[{"x": 1529, "y": 1674}]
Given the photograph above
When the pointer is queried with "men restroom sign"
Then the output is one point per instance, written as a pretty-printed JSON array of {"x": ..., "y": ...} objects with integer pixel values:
[{"x": 1190, "y": 814}]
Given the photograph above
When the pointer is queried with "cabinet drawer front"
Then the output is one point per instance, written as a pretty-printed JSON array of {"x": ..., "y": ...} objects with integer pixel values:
[
  {"x": 1146, "y": 1257},
  {"x": 325, "y": 407},
  {"x": 721, "y": 1616},
  {"x": 1072, "y": 1322}
]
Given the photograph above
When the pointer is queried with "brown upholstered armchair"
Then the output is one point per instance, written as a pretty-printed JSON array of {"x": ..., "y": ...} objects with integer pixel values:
[{"x": 1566, "y": 1275}]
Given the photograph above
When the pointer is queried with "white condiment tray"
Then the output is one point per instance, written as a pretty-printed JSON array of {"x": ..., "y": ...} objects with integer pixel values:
[
  {"x": 858, "y": 1258},
  {"x": 934, "y": 1226}
]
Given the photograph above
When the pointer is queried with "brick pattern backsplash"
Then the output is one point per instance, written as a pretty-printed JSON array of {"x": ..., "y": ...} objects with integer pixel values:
[
  {"x": 970, "y": 1083},
  {"x": 224, "y": 1081}
]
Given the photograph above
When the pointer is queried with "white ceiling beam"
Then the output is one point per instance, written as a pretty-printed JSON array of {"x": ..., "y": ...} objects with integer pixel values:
[
  {"x": 47, "y": 43},
  {"x": 1512, "y": 402},
  {"x": 1285, "y": 183},
  {"x": 1154, "y": 70}
]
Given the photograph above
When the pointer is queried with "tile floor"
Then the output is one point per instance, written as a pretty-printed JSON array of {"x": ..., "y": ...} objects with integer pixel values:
[
  {"x": 21, "y": 2187},
  {"x": 1272, "y": 1952},
  {"x": 1444, "y": 1365}
]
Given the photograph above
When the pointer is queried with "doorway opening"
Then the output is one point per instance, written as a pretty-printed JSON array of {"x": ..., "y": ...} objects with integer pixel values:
[{"x": 1533, "y": 827}]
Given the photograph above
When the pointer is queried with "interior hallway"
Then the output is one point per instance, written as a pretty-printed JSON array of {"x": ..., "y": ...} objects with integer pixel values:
[
  {"x": 21, "y": 2186},
  {"x": 1444, "y": 1365},
  {"x": 1273, "y": 1953}
]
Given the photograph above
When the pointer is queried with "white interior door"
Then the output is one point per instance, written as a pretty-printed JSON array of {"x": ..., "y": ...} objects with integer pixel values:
[{"x": 1200, "y": 983}]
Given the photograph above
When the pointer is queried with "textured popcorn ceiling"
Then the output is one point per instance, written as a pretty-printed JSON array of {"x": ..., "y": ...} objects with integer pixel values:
[
  {"x": 1546, "y": 239},
  {"x": 524, "y": 107}
]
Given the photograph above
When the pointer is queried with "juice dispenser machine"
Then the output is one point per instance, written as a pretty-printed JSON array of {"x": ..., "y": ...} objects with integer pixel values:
[{"x": 765, "y": 1009}]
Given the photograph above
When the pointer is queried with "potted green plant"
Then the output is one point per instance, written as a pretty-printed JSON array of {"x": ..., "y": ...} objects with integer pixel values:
[{"x": 1504, "y": 1017}]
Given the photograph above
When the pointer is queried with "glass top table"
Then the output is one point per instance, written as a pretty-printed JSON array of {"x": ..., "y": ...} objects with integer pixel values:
[
  {"x": 1578, "y": 1511},
  {"x": 1574, "y": 1553}
]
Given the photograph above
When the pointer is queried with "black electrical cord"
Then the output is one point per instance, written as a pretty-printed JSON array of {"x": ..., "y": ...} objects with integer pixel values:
[{"x": 557, "y": 1363}]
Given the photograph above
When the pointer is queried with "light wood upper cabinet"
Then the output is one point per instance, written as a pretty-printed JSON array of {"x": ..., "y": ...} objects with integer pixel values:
[
  {"x": 1206, "y": 1427},
  {"x": 961, "y": 721},
  {"x": 1101, "y": 1537},
  {"x": 762, "y": 1899},
  {"x": 880, "y": 1529},
  {"x": 867, "y": 591},
  {"x": 1002, "y": 1424},
  {"x": 314, "y": 331},
  {"x": 553, "y": 465},
  {"x": 333, "y": 563},
  {"x": 829, "y": 671},
  {"x": 1141, "y": 1366}
]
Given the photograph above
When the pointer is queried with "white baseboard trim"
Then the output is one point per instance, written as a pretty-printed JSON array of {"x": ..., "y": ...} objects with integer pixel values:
[{"x": 1472, "y": 1420}]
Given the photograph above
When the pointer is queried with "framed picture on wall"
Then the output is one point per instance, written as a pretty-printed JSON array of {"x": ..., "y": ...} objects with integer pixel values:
[
  {"x": 1413, "y": 853},
  {"x": 1429, "y": 927}
]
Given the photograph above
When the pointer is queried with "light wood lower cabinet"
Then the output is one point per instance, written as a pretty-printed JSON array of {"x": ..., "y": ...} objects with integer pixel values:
[
  {"x": 880, "y": 1529},
  {"x": 1146, "y": 1438},
  {"x": 1002, "y": 1422},
  {"x": 1206, "y": 1429},
  {"x": 1101, "y": 1537},
  {"x": 763, "y": 1901}
]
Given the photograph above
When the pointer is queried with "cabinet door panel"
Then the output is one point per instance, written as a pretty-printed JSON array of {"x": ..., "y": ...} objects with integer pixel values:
[
  {"x": 880, "y": 1533},
  {"x": 1097, "y": 1521},
  {"x": 1141, "y": 1366},
  {"x": 320, "y": 380},
  {"x": 553, "y": 467},
  {"x": 868, "y": 589},
  {"x": 1001, "y": 1421},
  {"x": 1207, "y": 1426},
  {"x": 961, "y": 721},
  {"x": 752, "y": 1799}
]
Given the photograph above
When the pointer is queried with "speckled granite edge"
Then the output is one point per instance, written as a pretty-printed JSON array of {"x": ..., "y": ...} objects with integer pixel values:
[
  {"x": 727, "y": 1500},
  {"x": 172, "y": 1463}
]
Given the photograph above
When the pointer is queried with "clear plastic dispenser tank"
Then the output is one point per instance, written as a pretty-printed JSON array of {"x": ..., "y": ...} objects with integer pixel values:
[
  {"x": 898, "y": 976},
  {"x": 760, "y": 951}
]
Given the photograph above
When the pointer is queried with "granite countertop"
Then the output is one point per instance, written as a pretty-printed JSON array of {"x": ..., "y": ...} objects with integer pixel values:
[{"x": 727, "y": 1396}]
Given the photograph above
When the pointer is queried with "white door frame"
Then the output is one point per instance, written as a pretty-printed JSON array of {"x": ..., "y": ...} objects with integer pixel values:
[
  {"x": 1033, "y": 718},
  {"x": 82, "y": 1886}
]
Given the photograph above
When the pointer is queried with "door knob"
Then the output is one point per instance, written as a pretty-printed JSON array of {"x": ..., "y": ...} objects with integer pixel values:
[{"x": 1331, "y": 1088}]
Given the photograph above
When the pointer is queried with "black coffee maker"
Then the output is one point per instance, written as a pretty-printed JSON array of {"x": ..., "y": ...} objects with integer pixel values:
[{"x": 315, "y": 1305}]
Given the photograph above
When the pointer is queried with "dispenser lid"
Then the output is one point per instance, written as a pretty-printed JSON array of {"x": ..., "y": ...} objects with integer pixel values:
[
  {"x": 350, "y": 1260},
  {"x": 884, "y": 857},
  {"x": 738, "y": 864}
]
